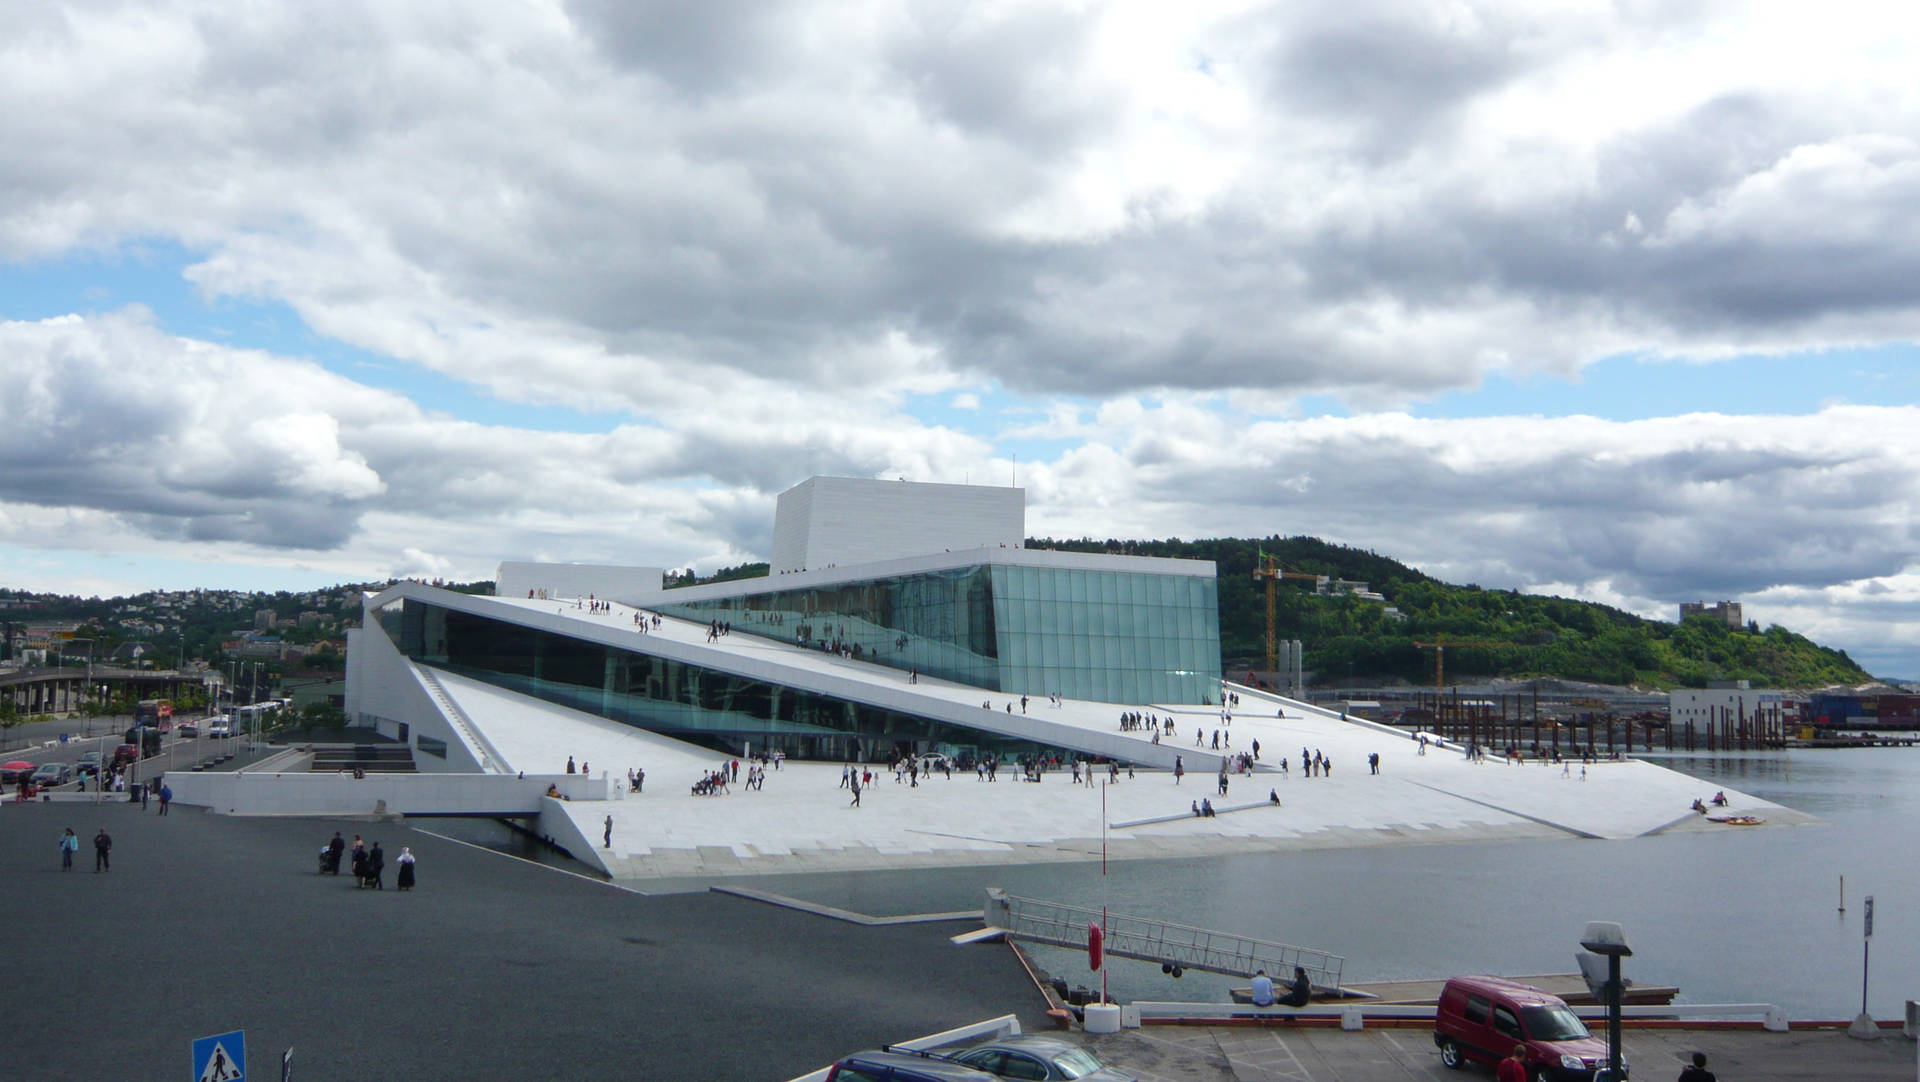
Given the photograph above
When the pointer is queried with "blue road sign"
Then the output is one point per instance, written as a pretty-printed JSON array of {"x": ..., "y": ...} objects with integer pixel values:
[{"x": 221, "y": 1058}]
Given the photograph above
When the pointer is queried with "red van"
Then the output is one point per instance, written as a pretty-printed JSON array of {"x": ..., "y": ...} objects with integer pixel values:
[{"x": 1482, "y": 1018}]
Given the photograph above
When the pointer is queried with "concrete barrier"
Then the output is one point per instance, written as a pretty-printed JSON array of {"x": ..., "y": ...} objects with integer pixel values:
[{"x": 259, "y": 793}]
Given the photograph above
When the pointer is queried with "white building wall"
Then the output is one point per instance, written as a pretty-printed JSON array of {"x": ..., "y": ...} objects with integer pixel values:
[
  {"x": 838, "y": 521},
  {"x": 607, "y": 582},
  {"x": 1698, "y": 708},
  {"x": 381, "y": 688}
]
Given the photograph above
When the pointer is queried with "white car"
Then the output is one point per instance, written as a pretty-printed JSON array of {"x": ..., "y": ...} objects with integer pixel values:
[{"x": 217, "y": 727}]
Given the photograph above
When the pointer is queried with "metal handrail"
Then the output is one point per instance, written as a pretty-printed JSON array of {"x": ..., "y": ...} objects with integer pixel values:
[
  {"x": 489, "y": 759},
  {"x": 1162, "y": 941}
]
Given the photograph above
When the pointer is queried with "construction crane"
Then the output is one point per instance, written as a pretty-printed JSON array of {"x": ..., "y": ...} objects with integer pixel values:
[
  {"x": 1440, "y": 654},
  {"x": 1269, "y": 569}
]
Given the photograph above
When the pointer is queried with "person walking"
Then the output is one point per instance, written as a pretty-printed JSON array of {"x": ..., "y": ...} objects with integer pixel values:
[
  {"x": 69, "y": 845},
  {"x": 334, "y": 849},
  {"x": 376, "y": 861},
  {"x": 856, "y": 792},
  {"x": 102, "y": 851},
  {"x": 405, "y": 860},
  {"x": 166, "y": 796},
  {"x": 606, "y": 840}
]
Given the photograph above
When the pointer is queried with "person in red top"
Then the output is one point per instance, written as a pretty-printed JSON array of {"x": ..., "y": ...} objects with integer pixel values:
[{"x": 1514, "y": 1067}]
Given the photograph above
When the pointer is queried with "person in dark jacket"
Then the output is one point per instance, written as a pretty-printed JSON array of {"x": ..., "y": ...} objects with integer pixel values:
[
  {"x": 1300, "y": 992},
  {"x": 376, "y": 861},
  {"x": 359, "y": 861},
  {"x": 102, "y": 851},
  {"x": 335, "y": 848},
  {"x": 1697, "y": 1070}
]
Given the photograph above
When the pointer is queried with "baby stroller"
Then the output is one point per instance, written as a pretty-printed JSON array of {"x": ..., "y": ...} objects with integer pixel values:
[{"x": 329, "y": 864}]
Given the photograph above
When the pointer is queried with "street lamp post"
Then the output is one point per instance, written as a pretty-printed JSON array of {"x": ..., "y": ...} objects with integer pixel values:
[{"x": 1608, "y": 939}]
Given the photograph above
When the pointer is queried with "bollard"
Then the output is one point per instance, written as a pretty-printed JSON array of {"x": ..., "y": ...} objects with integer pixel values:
[
  {"x": 1776, "y": 1021},
  {"x": 1351, "y": 1020}
]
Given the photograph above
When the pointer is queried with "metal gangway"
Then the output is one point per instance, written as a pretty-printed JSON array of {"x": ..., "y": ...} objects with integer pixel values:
[{"x": 1060, "y": 925}]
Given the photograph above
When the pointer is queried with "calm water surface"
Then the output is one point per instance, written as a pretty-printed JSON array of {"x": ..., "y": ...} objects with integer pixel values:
[{"x": 1738, "y": 915}]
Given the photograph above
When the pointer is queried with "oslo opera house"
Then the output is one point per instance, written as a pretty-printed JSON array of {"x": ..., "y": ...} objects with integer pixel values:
[{"x": 901, "y": 619}]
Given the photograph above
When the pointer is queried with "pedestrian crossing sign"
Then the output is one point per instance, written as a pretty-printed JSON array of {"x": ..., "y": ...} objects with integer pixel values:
[{"x": 221, "y": 1058}]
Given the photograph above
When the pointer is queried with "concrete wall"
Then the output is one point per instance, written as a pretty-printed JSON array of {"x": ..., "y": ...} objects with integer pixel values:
[
  {"x": 256, "y": 793},
  {"x": 382, "y": 689},
  {"x": 555, "y": 823},
  {"x": 840, "y": 521},
  {"x": 607, "y": 582}
]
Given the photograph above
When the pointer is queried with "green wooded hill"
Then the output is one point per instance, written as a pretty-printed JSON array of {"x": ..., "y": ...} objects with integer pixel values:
[{"x": 1350, "y": 639}]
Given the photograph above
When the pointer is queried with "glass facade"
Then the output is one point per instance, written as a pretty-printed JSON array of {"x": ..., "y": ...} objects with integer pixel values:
[
  {"x": 1109, "y": 636},
  {"x": 701, "y": 706}
]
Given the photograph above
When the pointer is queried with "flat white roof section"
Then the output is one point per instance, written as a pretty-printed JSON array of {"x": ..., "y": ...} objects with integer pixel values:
[
  {"x": 943, "y": 561},
  {"x": 526, "y": 579},
  {"x": 831, "y": 521}
]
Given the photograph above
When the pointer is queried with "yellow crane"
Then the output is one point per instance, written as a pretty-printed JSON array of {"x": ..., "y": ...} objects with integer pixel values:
[
  {"x": 1269, "y": 569},
  {"x": 1440, "y": 654}
]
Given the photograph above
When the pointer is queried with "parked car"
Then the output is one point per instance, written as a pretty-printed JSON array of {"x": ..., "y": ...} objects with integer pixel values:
[
  {"x": 88, "y": 765},
  {"x": 1481, "y": 1019},
  {"x": 126, "y": 753},
  {"x": 899, "y": 1065},
  {"x": 186, "y": 729},
  {"x": 51, "y": 774},
  {"x": 1039, "y": 1056}
]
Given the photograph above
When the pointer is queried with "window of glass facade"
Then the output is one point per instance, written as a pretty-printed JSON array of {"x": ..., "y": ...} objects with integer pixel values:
[
  {"x": 688, "y": 702},
  {"x": 1110, "y": 636}
]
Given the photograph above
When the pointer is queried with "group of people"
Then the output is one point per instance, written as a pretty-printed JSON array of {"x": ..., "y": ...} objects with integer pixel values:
[
  {"x": 1134, "y": 721},
  {"x": 1719, "y": 801},
  {"x": 368, "y": 864},
  {"x": 102, "y": 850},
  {"x": 1298, "y": 993}
]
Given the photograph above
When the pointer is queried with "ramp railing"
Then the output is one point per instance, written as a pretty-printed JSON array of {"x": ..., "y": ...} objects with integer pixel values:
[{"x": 1204, "y": 949}]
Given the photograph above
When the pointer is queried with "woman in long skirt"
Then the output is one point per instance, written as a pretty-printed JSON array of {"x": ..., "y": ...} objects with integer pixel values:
[{"x": 405, "y": 860}]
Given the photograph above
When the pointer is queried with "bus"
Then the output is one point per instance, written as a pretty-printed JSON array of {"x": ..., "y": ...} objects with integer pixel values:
[
  {"x": 258, "y": 717},
  {"x": 157, "y": 713}
]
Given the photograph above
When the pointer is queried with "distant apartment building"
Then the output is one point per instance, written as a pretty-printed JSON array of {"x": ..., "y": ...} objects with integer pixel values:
[
  {"x": 1327, "y": 586},
  {"x": 1728, "y": 612},
  {"x": 265, "y": 620},
  {"x": 309, "y": 618}
]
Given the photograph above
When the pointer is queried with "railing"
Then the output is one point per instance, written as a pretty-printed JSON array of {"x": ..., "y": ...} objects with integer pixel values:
[
  {"x": 490, "y": 760},
  {"x": 1158, "y": 940}
]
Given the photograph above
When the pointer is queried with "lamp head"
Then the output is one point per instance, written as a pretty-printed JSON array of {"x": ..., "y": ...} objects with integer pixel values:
[{"x": 1606, "y": 937}]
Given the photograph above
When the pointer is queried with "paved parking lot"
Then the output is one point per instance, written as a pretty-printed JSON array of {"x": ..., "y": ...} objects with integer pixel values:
[{"x": 1286, "y": 1054}]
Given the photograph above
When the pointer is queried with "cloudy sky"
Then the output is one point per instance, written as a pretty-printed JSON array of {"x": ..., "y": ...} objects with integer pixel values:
[{"x": 1616, "y": 300}]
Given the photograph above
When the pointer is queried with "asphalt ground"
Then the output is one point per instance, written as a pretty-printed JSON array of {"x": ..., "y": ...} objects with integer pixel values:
[
  {"x": 1406, "y": 1054},
  {"x": 491, "y": 968}
]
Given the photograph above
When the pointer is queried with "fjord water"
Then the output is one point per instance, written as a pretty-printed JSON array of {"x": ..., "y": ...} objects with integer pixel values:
[{"x": 1733, "y": 915}]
